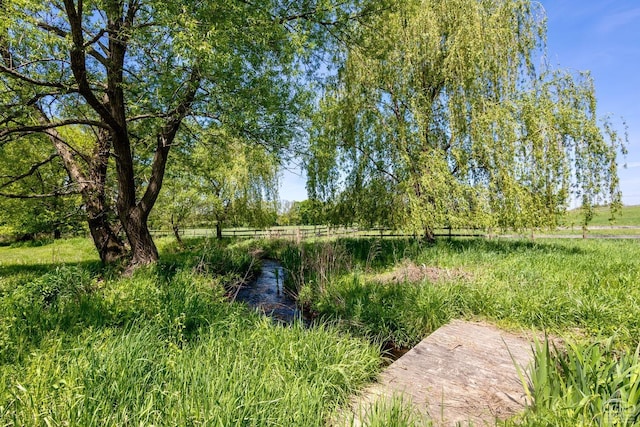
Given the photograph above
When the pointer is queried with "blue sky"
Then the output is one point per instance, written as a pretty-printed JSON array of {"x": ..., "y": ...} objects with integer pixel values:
[{"x": 603, "y": 37}]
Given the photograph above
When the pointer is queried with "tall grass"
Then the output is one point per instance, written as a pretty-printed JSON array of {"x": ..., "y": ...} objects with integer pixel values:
[
  {"x": 583, "y": 384},
  {"x": 584, "y": 287},
  {"x": 83, "y": 346},
  {"x": 238, "y": 372},
  {"x": 583, "y": 290},
  {"x": 165, "y": 347}
]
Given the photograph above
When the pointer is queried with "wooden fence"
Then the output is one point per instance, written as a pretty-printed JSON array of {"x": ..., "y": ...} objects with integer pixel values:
[{"x": 306, "y": 232}]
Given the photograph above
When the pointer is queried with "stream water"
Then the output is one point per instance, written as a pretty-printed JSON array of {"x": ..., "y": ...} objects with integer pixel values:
[{"x": 267, "y": 293}]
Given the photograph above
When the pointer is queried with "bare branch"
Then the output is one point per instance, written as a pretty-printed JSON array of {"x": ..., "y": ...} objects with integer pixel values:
[
  {"x": 95, "y": 38},
  {"x": 52, "y": 29},
  {"x": 149, "y": 116}
]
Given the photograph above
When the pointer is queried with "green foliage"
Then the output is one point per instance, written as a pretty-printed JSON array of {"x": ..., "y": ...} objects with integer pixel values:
[
  {"x": 584, "y": 384},
  {"x": 219, "y": 181},
  {"x": 83, "y": 346},
  {"x": 26, "y": 218},
  {"x": 104, "y": 90},
  {"x": 555, "y": 286},
  {"x": 440, "y": 117},
  {"x": 306, "y": 212}
]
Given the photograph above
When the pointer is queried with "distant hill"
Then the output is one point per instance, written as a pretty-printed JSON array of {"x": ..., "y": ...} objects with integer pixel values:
[{"x": 630, "y": 216}]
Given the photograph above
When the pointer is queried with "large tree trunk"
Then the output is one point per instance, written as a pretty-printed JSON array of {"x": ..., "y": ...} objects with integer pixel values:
[
  {"x": 218, "y": 230},
  {"x": 143, "y": 249},
  {"x": 109, "y": 245}
]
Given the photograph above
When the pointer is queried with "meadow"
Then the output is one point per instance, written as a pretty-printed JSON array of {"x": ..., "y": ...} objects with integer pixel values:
[{"x": 80, "y": 345}]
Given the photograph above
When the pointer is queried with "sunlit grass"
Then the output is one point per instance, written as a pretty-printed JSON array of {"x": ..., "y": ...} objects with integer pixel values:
[
  {"x": 49, "y": 252},
  {"x": 583, "y": 290},
  {"x": 584, "y": 286},
  {"x": 81, "y": 346},
  {"x": 628, "y": 216}
]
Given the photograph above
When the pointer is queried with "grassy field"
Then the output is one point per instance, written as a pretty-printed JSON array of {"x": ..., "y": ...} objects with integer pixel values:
[
  {"x": 82, "y": 346},
  {"x": 628, "y": 216}
]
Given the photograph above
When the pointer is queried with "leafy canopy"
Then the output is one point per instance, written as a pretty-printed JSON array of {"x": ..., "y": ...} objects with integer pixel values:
[{"x": 445, "y": 114}]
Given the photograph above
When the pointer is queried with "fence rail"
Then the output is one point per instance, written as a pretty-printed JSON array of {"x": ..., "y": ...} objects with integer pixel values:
[
  {"x": 311, "y": 231},
  {"x": 305, "y": 232}
]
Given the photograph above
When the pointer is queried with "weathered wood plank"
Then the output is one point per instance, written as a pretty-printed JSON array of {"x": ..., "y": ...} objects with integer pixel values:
[{"x": 462, "y": 373}]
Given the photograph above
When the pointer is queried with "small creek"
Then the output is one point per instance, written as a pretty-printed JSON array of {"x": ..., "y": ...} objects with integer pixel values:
[{"x": 267, "y": 293}]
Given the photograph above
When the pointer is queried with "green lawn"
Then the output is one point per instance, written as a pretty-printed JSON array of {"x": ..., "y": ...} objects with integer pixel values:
[
  {"x": 54, "y": 252},
  {"x": 628, "y": 216}
]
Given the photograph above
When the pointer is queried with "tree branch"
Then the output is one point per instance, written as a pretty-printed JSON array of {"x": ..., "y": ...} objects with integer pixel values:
[
  {"x": 59, "y": 192},
  {"x": 52, "y": 29},
  {"x": 78, "y": 64},
  {"x": 31, "y": 171},
  {"x": 22, "y": 77},
  {"x": 50, "y": 125},
  {"x": 165, "y": 139}
]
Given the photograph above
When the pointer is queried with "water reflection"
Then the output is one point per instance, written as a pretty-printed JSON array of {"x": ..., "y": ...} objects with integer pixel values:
[{"x": 267, "y": 293}]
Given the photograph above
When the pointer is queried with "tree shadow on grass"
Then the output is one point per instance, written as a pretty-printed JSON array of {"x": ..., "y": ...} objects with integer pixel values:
[
  {"x": 377, "y": 252},
  {"x": 38, "y": 269},
  {"x": 504, "y": 246}
]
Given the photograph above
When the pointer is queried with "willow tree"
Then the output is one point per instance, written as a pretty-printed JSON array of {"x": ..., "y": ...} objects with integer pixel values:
[
  {"x": 219, "y": 180},
  {"x": 446, "y": 115},
  {"x": 130, "y": 75}
]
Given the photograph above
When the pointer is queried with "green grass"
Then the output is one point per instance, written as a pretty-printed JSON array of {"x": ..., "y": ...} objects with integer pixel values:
[
  {"x": 584, "y": 290},
  {"x": 584, "y": 384},
  {"x": 50, "y": 253},
  {"x": 239, "y": 371},
  {"x": 588, "y": 286},
  {"x": 81, "y": 346},
  {"x": 628, "y": 216},
  {"x": 592, "y": 232}
]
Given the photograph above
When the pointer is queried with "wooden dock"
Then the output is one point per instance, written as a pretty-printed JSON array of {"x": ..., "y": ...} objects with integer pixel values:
[{"x": 462, "y": 374}]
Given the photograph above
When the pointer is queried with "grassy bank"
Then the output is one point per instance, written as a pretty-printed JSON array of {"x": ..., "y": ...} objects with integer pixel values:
[
  {"x": 585, "y": 286},
  {"x": 398, "y": 291},
  {"x": 82, "y": 346},
  {"x": 79, "y": 346}
]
